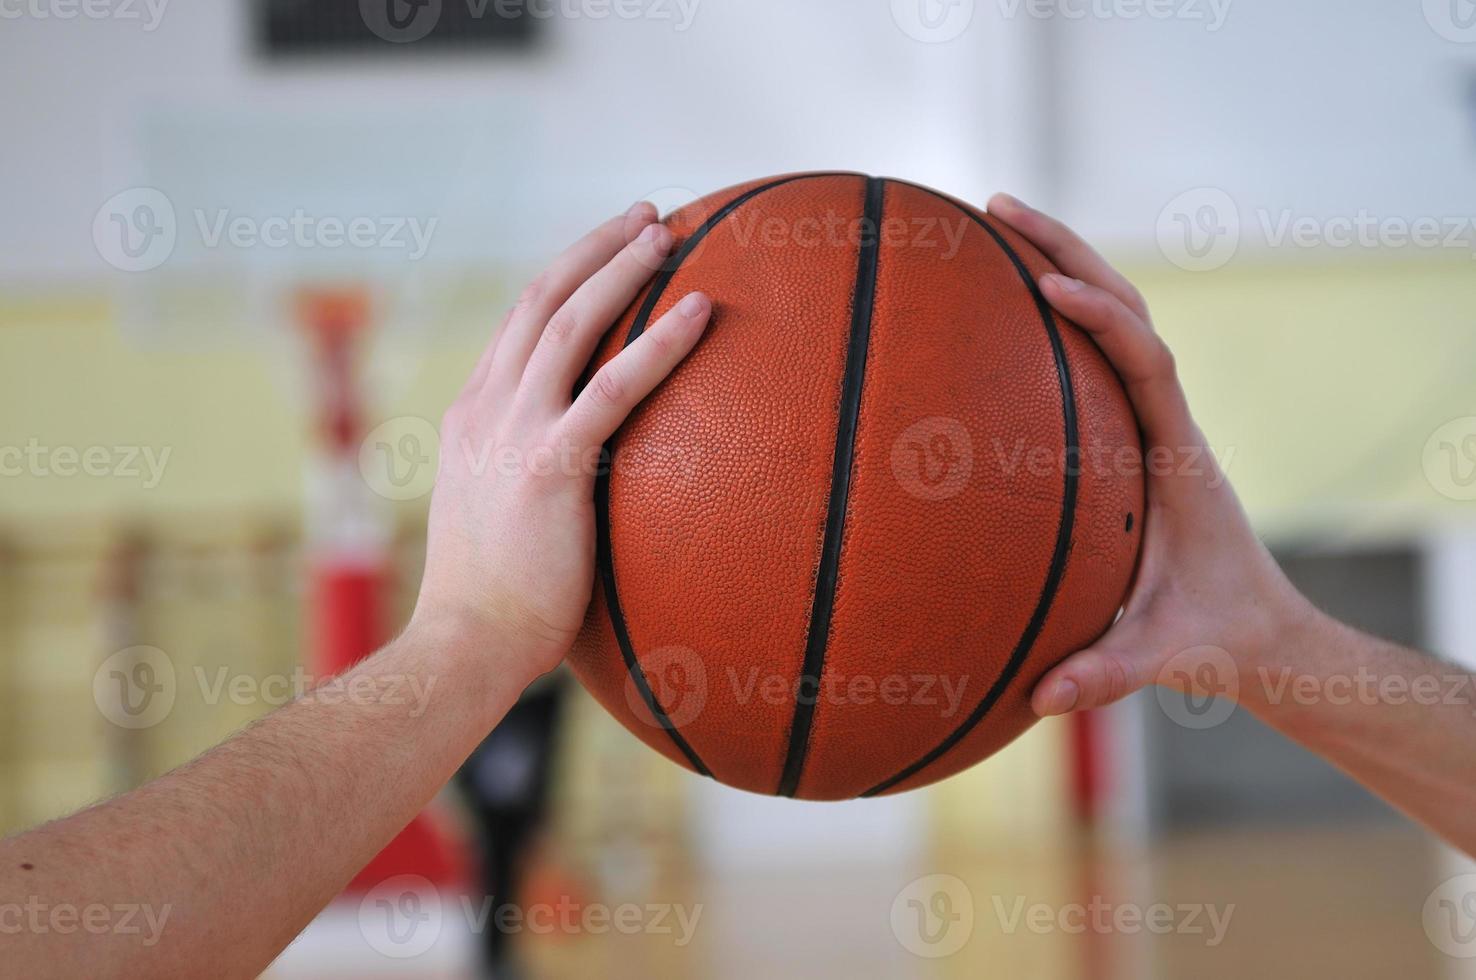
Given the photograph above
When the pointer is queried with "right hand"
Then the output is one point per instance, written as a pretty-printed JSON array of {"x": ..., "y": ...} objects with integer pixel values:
[{"x": 1204, "y": 579}]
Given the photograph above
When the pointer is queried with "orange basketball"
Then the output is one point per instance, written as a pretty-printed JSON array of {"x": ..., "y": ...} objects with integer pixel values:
[{"x": 890, "y": 488}]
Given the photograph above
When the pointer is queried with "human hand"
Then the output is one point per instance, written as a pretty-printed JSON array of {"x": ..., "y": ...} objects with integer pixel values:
[
  {"x": 1204, "y": 580},
  {"x": 511, "y": 536}
]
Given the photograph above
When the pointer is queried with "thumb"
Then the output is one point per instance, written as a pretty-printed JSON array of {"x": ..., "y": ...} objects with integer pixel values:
[{"x": 1103, "y": 673}]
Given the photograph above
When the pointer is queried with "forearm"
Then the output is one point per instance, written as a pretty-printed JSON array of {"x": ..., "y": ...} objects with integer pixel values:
[
  {"x": 1401, "y": 722},
  {"x": 230, "y": 856}
]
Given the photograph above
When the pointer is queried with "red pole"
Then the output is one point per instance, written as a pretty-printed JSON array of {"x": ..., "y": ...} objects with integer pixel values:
[{"x": 349, "y": 555}]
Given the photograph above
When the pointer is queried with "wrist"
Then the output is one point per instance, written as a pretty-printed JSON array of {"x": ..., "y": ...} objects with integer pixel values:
[
  {"x": 1284, "y": 647},
  {"x": 476, "y": 648}
]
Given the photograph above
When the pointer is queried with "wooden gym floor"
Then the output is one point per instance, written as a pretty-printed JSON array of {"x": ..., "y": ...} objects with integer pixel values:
[{"x": 1344, "y": 905}]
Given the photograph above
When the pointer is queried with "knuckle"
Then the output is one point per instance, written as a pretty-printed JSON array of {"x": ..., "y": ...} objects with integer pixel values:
[
  {"x": 641, "y": 257},
  {"x": 609, "y": 386},
  {"x": 561, "y": 326},
  {"x": 638, "y": 258},
  {"x": 661, "y": 342},
  {"x": 531, "y": 293},
  {"x": 1164, "y": 364},
  {"x": 1100, "y": 303},
  {"x": 1117, "y": 680},
  {"x": 1054, "y": 233}
]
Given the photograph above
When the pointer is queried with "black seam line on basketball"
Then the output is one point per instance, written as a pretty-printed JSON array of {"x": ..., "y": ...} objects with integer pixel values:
[
  {"x": 605, "y": 558},
  {"x": 863, "y": 302},
  {"x": 1063, "y": 533}
]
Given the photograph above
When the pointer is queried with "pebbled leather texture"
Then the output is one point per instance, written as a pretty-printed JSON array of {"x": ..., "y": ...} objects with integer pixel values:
[{"x": 715, "y": 509}]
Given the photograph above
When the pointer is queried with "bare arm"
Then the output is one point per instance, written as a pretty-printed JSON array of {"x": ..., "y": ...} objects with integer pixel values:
[
  {"x": 1399, "y": 721},
  {"x": 1211, "y": 613},
  {"x": 230, "y": 856}
]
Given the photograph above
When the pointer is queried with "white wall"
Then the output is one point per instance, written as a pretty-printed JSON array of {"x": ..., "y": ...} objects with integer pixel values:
[
  {"x": 609, "y": 110},
  {"x": 1322, "y": 106}
]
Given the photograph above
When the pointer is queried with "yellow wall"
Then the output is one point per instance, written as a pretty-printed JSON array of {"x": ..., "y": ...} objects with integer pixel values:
[
  {"x": 1326, "y": 380},
  {"x": 1322, "y": 380}
]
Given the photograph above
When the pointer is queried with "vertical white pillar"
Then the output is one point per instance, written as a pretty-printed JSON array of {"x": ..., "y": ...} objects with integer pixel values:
[{"x": 1450, "y": 618}]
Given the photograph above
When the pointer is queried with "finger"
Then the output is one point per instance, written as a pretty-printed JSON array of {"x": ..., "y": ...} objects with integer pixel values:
[
  {"x": 1093, "y": 678},
  {"x": 1141, "y": 359},
  {"x": 576, "y": 327},
  {"x": 552, "y": 289},
  {"x": 618, "y": 387},
  {"x": 1067, "y": 250},
  {"x": 478, "y": 377}
]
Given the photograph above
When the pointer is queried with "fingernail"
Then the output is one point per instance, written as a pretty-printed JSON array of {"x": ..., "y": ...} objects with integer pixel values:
[
  {"x": 656, "y": 235},
  {"x": 1064, "y": 283},
  {"x": 1008, "y": 200},
  {"x": 1062, "y": 698},
  {"x": 694, "y": 304},
  {"x": 638, "y": 207}
]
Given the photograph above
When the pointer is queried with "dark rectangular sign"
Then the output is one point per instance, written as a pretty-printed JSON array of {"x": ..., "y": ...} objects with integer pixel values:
[{"x": 324, "y": 27}]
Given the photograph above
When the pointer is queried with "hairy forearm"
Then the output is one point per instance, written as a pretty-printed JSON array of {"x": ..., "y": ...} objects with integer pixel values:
[
  {"x": 226, "y": 859},
  {"x": 1401, "y": 722}
]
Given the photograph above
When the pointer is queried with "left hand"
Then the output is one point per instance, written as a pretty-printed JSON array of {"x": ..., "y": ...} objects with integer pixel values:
[{"x": 511, "y": 537}]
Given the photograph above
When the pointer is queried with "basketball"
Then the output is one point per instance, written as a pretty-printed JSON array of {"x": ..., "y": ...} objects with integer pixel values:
[{"x": 887, "y": 492}]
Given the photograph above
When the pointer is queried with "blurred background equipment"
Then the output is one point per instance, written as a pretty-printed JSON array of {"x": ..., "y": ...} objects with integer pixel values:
[
  {"x": 1259, "y": 169},
  {"x": 506, "y": 786}
]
